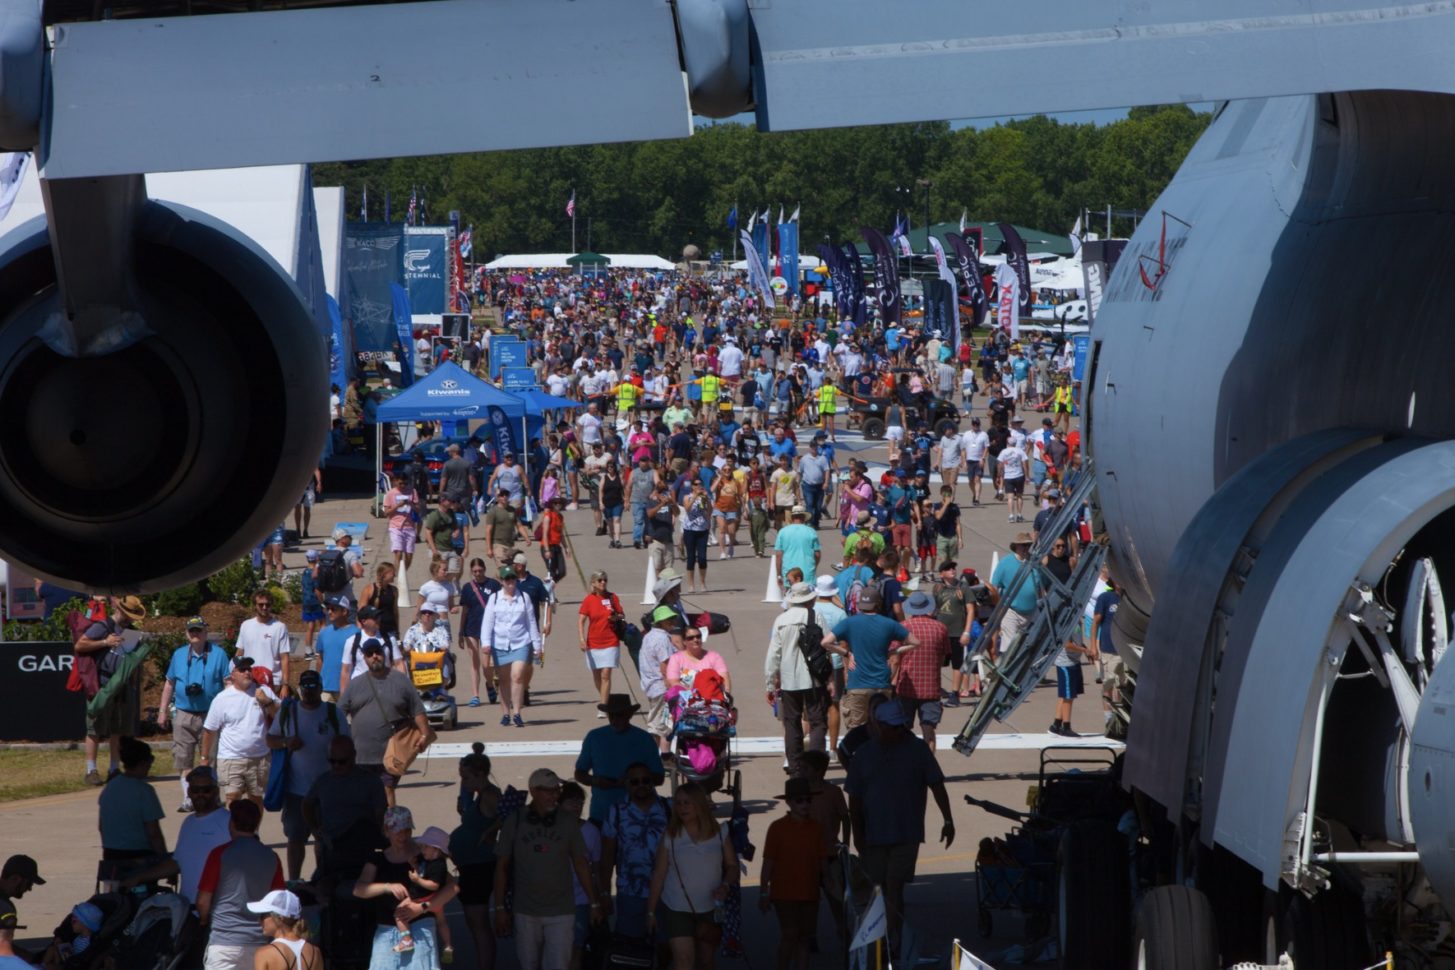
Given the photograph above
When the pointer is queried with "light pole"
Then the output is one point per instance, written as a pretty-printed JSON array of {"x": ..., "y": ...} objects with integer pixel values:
[{"x": 925, "y": 184}]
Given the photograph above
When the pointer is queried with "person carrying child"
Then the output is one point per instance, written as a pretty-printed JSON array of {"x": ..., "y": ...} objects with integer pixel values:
[{"x": 428, "y": 873}]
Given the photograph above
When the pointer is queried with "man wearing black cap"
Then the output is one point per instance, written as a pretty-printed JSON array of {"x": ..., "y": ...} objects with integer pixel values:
[
  {"x": 375, "y": 703},
  {"x": 352, "y": 665},
  {"x": 18, "y": 877},
  {"x": 237, "y": 725},
  {"x": 305, "y": 727}
]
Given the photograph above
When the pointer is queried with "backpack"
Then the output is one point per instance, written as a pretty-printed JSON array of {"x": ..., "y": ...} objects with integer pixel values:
[
  {"x": 815, "y": 657},
  {"x": 358, "y": 641},
  {"x": 333, "y": 572},
  {"x": 856, "y": 587},
  {"x": 330, "y": 714},
  {"x": 951, "y": 608}
]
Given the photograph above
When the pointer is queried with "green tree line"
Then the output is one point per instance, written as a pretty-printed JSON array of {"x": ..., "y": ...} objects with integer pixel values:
[{"x": 660, "y": 196}]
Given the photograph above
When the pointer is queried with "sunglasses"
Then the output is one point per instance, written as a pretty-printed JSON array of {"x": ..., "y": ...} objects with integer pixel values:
[
  {"x": 692, "y": 636},
  {"x": 340, "y": 761}
]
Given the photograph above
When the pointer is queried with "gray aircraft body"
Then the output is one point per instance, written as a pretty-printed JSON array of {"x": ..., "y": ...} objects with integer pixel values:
[{"x": 1263, "y": 400}]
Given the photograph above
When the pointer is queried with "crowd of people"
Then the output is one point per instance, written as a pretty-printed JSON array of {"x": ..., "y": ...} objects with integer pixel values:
[{"x": 714, "y": 424}]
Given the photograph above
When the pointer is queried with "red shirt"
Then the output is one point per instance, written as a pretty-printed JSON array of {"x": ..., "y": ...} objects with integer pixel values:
[
  {"x": 598, "y": 611},
  {"x": 919, "y": 669}
]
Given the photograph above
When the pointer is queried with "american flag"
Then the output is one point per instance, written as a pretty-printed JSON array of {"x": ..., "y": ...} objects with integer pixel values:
[
  {"x": 466, "y": 238},
  {"x": 571, "y": 205},
  {"x": 413, "y": 207}
]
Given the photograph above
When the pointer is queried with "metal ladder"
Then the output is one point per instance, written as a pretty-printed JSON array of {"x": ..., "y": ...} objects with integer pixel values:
[{"x": 1022, "y": 662}]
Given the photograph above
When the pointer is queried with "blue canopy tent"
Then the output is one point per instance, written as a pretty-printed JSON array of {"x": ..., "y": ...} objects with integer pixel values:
[{"x": 449, "y": 393}]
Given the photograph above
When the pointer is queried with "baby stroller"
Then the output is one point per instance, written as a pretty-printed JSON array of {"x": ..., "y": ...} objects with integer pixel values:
[
  {"x": 434, "y": 674},
  {"x": 154, "y": 934},
  {"x": 704, "y": 724}
]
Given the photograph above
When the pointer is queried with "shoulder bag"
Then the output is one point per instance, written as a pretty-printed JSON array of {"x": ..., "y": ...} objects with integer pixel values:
[{"x": 403, "y": 746}]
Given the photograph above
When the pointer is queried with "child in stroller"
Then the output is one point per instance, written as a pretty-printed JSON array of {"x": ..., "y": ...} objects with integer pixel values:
[{"x": 704, "y": 720}]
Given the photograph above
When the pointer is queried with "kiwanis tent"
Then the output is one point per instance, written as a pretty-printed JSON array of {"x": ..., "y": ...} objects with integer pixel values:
[{"x": 448, "y": 393}]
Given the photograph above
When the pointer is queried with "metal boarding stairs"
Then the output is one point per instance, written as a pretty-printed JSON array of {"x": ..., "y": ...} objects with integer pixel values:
[{"x": 1020, "y": 664}]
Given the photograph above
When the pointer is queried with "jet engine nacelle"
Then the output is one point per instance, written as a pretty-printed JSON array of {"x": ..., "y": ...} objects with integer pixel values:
[{"x": 164, "y": 459}]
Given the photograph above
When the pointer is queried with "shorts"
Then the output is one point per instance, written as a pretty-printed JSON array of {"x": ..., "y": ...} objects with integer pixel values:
[
  {"x": 854, "y": 707},
  {"x": 477, "y": 882},
  {"x": 612, "y": 511},
  {"x": 186, "y": 737},
  {"x": 295, "y": 827},
  {"x": 894, "y": 433},
  {"x": 118, "y": 717},
  {"x": 890, "y": 863},
  {"x": 1012, "y": 625},
  {"x": 1015, "y": 486},
  {"x": 1063, "y": 409},
  {"x": 946, "y": 547},
  {"x": 727, "y": 516},
  {"x": 972, "y": 471},
  {"x": 1069, "y": 684},
  {"x": 275, "y": 538},
  {"x": 929, "y": 712},
  {"x": 222, "y": 956},
  {"x": 385, "y": 778},
  {"x": 313, "y": 616},
  {"x": 307, "y": 500},
  {"x": 659, "y": 718},
  {"x": 243, "y": 776},
  {"x": 796, "y": 918},
  {"x": 603, "y": 658},
  {"x": 674, "y": 924},
  {"x": 402, "y": 540},
  {"x": 901, "y": 535},
  {"x": 948, "y": 473}
]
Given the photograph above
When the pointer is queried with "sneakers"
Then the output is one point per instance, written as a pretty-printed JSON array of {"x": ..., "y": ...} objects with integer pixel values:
[
  {"x": 405, "y": 944},
  {"x": 475, "y": 702},
  {"x": 572, "y": 507},
  {"x": 186, "y": 807},
  {"x": 505, "y": 720},
  {"x": 721, "y": 556},
  {"x": 93, "y": 778},
  {"x": 519, "y": 721},
  {"x": 601, "y": 530},
  {"x": 492, "y": 695},
  {"x": 1064, "y": 730},
  {"x": 601, "y": 715},
  {"x": 1010, "y": 518}
]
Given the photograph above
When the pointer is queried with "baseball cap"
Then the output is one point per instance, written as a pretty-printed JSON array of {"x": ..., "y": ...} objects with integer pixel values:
[
  {"x": 1017, "y": 420},
  {"x": 339, "y": 534},
  {"x": 279, "y": 902},
  {"x": 311, "y": 555},
  {"x": 196, "y": 622},
  {"x": 975, "y": 422},
  {"x": 23, "y": 866},
  {"x": 368, "y": 613},
  {"x": 336, "y": 603},
  {"x": 892, "y": 713},
  {"x": 1045, "y": 422},
  {"x": 242, "y": 663},
  {"x": 900, "y": 473},
  {"x": 310, "y": 678},
  {"x": 544, "y": 778},
  {"x": 371, "y": 645},
  {"x": 520, "y": 557}
]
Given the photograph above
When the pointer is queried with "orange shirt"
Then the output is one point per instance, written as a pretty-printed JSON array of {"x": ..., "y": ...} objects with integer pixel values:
[{"x": 796, "y": 847}]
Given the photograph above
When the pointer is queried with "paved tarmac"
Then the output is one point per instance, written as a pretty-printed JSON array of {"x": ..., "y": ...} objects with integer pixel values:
[{"x": 60, "y": 831}]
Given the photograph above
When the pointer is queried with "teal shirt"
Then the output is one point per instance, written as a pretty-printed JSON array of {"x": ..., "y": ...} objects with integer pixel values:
[
  {"x": 798, "y": 543},
  {"x": 1005, "y": 573}
]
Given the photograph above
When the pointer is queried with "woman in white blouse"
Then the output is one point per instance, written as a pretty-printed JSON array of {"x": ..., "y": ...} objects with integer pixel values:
[{"x": 509, "y": 631}]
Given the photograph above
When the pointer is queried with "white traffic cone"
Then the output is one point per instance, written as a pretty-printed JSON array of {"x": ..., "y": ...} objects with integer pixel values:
[
  {"x": 774, "y": 593},
  {"x": 648, "y": 599},
  {"x": 994, "y": 562}
]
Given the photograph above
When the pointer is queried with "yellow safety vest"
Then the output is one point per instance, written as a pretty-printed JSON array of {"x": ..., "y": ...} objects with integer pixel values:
[
  {"x": 710, "y": 384},
  {"x": 1063, "y": 394},
  {"x": 626, "y": 396},
  {"x": 827, "y": 398}
]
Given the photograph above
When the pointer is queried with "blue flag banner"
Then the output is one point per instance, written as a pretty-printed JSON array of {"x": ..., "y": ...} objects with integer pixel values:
[
  {"x": 854, "y": 270},
  {"x": 404, "y": 331},
  {"x": 886, "y": 275},
  {"x": 1081, "y": 343},
  {"x": 732, "y": 219},
  {"x": 788, "y": 254},
  {"x": 340, "y": 353},
  {"x": 843, "y": 300},
  {"x": 1015, "y": 255},
  {"x": 424, "y": 271},
  {"x": 762, "y": 242},
  {"x": 967, "y": 267},
  {"x": 939, "y": 309},
  {"x": 373, "y": 259},
  {"x": 757, "y": 272},
  {"x": 501, "y": 432}
]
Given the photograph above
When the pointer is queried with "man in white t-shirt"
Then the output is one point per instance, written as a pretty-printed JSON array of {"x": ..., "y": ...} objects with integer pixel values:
[
  {"x": 975, "y": 443},
  {"x": 263, "y": 639},
  {"x": 1013, "y": 462},
  {"x": 589, "y": 424},
  {"x": 558, "y": 384},
  {"x": 730, "y": 359},
  {"x": 237, "y": 723},
  {"x": 950, "y": 454}
]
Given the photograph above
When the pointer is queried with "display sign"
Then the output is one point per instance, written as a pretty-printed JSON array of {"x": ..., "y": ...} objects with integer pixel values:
[
  {"x": 506, "y": 352},
  {"x": 425, "y": 265},
  {"x": 517, "y": 378},
  {"x": 34, "y": 702},
  {"x": 1082, "y": 344}
]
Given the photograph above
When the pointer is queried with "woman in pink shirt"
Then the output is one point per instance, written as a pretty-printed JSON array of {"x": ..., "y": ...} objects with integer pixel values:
[
  {"x": 694, "y": 656},
  {"x": 856, "y": 496}
]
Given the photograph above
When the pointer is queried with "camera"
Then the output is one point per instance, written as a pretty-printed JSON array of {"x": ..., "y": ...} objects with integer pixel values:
[{"x": 194, "y": 690}]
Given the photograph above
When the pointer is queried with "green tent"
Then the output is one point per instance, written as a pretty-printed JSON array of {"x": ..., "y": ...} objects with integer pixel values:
[
  {"x": 1037, "y": 240},
  {"x": 587, "y": 259}
]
